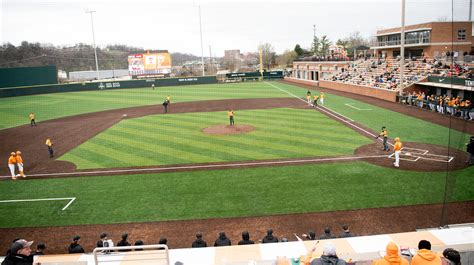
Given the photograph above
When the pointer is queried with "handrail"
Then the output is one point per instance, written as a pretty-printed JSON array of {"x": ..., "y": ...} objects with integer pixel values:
[{"x": 159, "y": 247}]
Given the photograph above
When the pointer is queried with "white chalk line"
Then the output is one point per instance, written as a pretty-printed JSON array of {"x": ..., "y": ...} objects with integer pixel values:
[
  {"x": 328, "y": 111},
  {"x": 211, "y": 166},
  {"x": 350, "y": 105},
  {"x": 71, "y": 200},
  {"x": 322, "y": 108}
]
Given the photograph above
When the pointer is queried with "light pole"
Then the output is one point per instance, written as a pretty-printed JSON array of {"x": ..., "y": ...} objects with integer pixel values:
[
  {"x": 402, "y": 48},
  {"x": 202, "y": 51},
  {"x": 93, "y": 39}
]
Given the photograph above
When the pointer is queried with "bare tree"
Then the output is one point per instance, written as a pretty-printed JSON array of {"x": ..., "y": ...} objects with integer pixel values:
[
  {"x": 268, "y": 55},
  {"x": 286, "y": 59}
]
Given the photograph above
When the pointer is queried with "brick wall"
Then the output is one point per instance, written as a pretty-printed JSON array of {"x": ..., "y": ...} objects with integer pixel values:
[{"x": 379, "y": 93}]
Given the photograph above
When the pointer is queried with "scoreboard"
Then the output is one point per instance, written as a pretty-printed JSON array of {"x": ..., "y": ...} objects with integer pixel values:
[{"x": 150, "y": 64}]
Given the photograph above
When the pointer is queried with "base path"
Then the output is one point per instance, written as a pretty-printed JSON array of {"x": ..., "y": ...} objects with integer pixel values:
[{"x": 70, "y": 132}]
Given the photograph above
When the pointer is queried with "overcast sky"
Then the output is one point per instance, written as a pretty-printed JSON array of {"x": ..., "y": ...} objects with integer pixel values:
[{"x": 174, "y": 25}]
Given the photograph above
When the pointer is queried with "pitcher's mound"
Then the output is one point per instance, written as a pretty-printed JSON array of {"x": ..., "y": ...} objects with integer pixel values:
[{"x": 227, "y": 129}]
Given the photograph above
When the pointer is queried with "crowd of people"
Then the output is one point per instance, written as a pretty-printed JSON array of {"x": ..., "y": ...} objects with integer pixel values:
[
  {"x": 20, "y": 252},
  {"x": 385, "y": 72},
  {"x": 443, "y": 104}
]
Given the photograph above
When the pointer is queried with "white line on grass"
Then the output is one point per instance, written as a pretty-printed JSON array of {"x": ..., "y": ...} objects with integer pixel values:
[
  {"x": 210, "y": 166},
  {"x": 72, "y": 199},
  {"x": 350, "y": 105}
]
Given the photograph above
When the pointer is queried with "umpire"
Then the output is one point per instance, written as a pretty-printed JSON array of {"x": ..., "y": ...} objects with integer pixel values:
[
  {"x": 384, "y": 134},
  {"x": 470, "y": 151}
]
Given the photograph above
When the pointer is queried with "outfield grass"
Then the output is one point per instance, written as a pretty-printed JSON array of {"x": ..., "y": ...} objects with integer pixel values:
[
  {"x": 14, "y": 110},
  {"x": 224, "y": 193},
  {"x": 409, "y": 129},
  {"x": 178, "y": 139}
]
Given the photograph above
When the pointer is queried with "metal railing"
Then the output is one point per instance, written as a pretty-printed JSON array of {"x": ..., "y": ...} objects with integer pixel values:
[
  {"x": 398, "y": 42},
  {"x": 158, "y": 254}
]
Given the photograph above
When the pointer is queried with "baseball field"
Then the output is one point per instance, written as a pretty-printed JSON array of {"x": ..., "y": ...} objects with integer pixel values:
[{"x": 122, "y": 165}]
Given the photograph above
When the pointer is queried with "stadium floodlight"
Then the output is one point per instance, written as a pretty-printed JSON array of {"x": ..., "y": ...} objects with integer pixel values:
[{"x": 93, "y": 39}]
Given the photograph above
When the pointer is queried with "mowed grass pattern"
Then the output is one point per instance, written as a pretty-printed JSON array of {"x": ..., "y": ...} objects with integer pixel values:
[
  {"x": 225, "y": 193},
  {"x": 178, "y": 138},
  {"x": 409, "y": 129},
  {"x": 14, "y": 111}
]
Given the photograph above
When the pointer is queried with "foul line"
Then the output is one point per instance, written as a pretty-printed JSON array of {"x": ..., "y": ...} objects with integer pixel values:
[
  {"x": 328, "y": 111},
  {"x": 72, "y": 199},
  {"x": 350, "y": 105},
  {"x": 138, "y": 170}
]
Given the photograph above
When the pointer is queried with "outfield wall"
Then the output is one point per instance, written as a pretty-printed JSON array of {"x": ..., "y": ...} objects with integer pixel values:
[
  {"x": 28, "y": 76},
  {"x": 380, "y": 93},
  {"x": 45, "y": 89}
]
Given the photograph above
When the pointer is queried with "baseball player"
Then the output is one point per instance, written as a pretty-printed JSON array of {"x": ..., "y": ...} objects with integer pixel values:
[
  {"x": 230, "y": 113},
  {"x": 308, "y": 99},
  {"x": 11, "y": 164},
  {"x": 398, "y": 149},
  {"x": 152, "y": 86},
  {"x": 384, "y": 135},
  {"x": 49, "y": 144},
  {"x": 321, "y": 98},
  {"x": 19, "y": 163},
  {"x": 315, "y": 100},
  {"x": 32, "y": 119}
]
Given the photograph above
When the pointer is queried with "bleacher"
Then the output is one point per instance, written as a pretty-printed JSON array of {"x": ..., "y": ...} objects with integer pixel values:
[
  {"x": 357, "y": 250},
  {"x": 385, "y": 73}
]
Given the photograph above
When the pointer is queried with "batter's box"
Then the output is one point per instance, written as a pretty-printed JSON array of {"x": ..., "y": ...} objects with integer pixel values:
[
  {"x": 414, "y": 151},
  {"x": 406, "y": 157},
  {"x": 415, "y": 154}
]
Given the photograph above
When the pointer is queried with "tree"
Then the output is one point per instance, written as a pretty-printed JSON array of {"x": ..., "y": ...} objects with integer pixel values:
[
  {"x": 286, "y": 59},
  {"x": 268, "y": 55},
  {"x": 299, "y": 51},
  {"x": 324, "y": 44},
  {"x": 343, "y": 43},
  {"x": 316, "y": 46}
]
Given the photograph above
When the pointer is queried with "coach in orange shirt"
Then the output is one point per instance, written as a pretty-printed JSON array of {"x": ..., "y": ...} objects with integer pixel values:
[
  {"x": 19, "y": 163},
  {"x": 11, "y": 164},
  {"x": 398, "y": 149}
]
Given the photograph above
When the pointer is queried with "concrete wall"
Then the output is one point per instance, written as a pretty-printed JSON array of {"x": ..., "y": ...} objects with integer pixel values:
[{"x": 385, "y": 94}]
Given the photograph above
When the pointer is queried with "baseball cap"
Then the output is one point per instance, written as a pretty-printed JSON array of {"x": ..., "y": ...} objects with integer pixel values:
[
  {"x": 76, "y": 238},
  {"x": 329, "y": 249},
  {"x": 20, "y": 244}
]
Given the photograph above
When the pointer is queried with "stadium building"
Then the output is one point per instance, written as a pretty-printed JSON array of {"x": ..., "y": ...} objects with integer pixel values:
[{"x": 433, "y": 39}]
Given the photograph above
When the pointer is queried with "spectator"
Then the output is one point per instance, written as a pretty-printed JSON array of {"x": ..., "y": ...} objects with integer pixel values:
[
  {"x": 19, "y": 253},
  {"x": 199, "y": 242},
  {"x": 451, "y": 257},
  {"x": 425, "y": 256},
  {"x": 124, "y": 243},
  {"x": 163, "y": 241},
  {"x": 345, "y": 232},
  {"x": 139, "y": 243},
  {"x": 246, "y": 239},
  {"x": 310, "y": 236},
  {"x": 327, "y": 234},
  {"x": 392, "y": 257},
  {"x": 222, "y": 240},
  {"x": 269, "y": 238},
  {"x": 329, "y": 257},
  {"x": 39, "y": 249},
  {"x": 75, "y": 247},
  {"x": 105, "y": 242}
]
